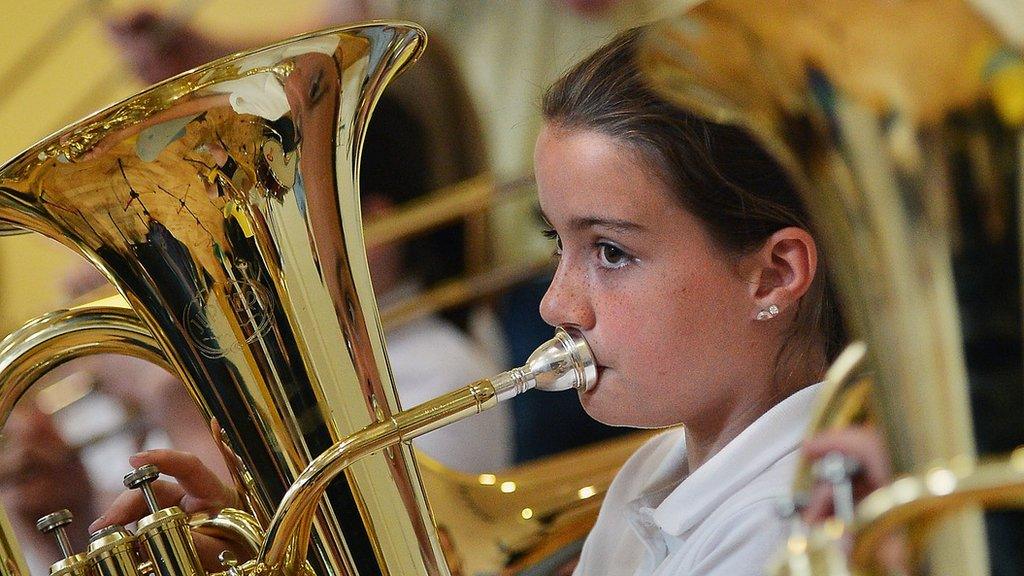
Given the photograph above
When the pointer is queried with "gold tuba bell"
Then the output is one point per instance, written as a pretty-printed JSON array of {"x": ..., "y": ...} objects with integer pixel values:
[
  {"x": 900, "y": 122},
  {"x": 223, "y": 205}
]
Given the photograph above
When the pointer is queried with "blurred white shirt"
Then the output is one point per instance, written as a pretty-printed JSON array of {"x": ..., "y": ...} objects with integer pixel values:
[{"x": 429, "y": 357}]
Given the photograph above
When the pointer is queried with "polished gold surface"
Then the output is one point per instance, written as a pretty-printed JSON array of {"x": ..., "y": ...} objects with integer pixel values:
[
  {"x": 12, "y": 561},
  {"x": 231, "y": 524},
  {"x": 213, "y": 203},
  {"x": 530, "y": 516},
  {"x": 51, "y": 340},
  {"x": 112, "y": 553},
  {"x": 563, "y": 363},
  {"x": 165, "y": 537},
  {"x": 885, "y": 115}
]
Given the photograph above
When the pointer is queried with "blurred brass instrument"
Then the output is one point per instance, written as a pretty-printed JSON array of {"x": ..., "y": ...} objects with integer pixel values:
[
  {"x": 888, "y": 116},
  {"x": 223, "y": 206}
]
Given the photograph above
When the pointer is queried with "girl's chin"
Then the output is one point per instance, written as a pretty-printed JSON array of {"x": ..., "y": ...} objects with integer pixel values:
[{"x": 599, "y": 402}]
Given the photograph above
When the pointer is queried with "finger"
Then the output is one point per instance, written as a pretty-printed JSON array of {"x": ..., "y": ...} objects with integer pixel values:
[
  {"x": 893, "y": 553},
  {"x": 860, "y": 443},
  {"x": 203, "y": 488},
  {"x": 131, "y": 505},
  {"x": 819, "y": 506}
]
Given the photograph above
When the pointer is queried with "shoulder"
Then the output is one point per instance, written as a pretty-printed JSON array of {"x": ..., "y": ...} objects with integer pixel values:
[
  {"x": 614, "y": 542},
  {"x": 773, "y": 483}
]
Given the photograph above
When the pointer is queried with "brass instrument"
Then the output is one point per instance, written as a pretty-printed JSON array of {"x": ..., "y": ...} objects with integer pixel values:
[
  {"x": 223, "y": 206},
  {"x": 887, "y": 115}
]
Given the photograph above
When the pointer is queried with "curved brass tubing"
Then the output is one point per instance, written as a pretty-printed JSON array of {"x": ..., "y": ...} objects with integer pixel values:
[
  {"x": 287, "y": 536},
  {"x": 562, "y": 363},
  {"x": 844, "y": 400},
  {"x": 58, "y": 337},
  {"x": 237, "y": 525},
  {"x": 940, "y": 491},
  {"x": 47, "y": 342}
]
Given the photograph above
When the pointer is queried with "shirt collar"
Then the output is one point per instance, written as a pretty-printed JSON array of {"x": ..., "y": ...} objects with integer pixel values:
[{"x": 775, "y": 434}]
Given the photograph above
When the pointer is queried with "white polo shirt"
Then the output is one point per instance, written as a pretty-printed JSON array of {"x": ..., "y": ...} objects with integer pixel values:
[{"x": 660, "y": 520}]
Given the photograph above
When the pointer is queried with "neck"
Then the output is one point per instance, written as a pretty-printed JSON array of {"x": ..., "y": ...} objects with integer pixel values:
[
  {"x": 703, "y": 442},
  {"x": 705, "y": 439}
]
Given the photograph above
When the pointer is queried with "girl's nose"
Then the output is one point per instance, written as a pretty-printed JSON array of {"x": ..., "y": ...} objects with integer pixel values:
[{"x": 565, "y": 303}]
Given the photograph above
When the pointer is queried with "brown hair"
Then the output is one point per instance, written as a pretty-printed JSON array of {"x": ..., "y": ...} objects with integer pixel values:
[{"x": 718, "y": 172}]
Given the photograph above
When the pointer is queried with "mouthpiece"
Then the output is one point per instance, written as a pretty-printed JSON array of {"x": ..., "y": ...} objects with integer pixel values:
[{"x": 561, "y": 363}]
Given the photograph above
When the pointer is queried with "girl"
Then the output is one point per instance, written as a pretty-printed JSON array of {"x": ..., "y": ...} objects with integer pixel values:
[
  {"x": 687, "y": 261},
  {"x": 689, "y": 265}
]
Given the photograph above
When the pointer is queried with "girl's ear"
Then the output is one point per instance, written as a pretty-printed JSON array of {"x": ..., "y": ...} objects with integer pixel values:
[{"x": 781, "y": 271}]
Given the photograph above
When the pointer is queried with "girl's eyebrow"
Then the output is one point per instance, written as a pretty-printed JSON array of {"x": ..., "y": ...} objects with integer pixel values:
[
  {"x": 615, "y": 224},
  {"x": 584, "y": 222}
]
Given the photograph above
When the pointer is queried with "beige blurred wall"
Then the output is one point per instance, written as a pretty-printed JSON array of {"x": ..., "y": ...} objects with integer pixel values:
[{"x": 79, "y": 72}]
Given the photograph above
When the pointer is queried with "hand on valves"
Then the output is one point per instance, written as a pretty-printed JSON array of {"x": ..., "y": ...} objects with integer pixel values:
[
  {"x": 197, "y": 489},
  {"x": 860, "y": 452},
  {"x": 850, "y": 463}
]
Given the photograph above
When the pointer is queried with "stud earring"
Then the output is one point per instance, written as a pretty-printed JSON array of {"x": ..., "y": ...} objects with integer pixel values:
[{"x": 768, "y": 313}]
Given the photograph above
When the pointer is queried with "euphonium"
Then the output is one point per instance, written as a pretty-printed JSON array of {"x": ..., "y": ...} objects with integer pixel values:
[
  {"x": 223, "y": 205},
  {"x": 900, "y": 122}
]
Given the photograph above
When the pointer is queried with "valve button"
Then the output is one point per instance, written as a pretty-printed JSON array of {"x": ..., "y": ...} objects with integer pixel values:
[
  {"x": 54, "y": 520},
  {"x": 141, "y": 475},
  {"x": 104, "y": 532}
]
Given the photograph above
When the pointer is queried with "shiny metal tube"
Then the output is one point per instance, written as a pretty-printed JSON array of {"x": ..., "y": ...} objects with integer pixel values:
[
  {"x": 564, "y": 362},
  {"x": 223, "y": 205},
  {"x": 166, "y": 538},
  {"x": 933, "y": 495},
  {"x": 12, "y": 561},
  {"x": 236, "y": 525},
  {"x": 58, "y": 337},
  {"x": 112, "y": 553}
]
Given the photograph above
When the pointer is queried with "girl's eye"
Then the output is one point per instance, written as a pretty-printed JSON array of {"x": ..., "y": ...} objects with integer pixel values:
[
  {"x": 612, "y": 256},
  {"x": 550, "y": 234}
]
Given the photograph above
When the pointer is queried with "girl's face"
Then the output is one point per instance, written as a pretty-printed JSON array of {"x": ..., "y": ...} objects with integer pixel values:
[{"x": 667, "y": 313}]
